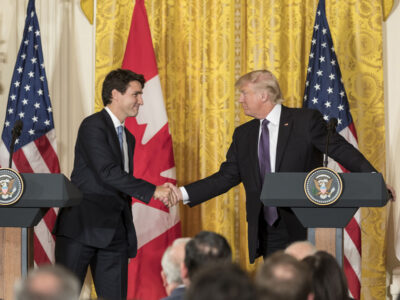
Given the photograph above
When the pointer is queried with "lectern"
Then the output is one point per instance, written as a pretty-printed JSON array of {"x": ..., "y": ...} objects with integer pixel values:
[
  {"x": 41, "y": 192},
  {"x": 359, "y": 190}
]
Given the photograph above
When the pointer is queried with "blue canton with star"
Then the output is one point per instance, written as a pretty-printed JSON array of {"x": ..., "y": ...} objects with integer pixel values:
[
  {"x": 28, "y": 98},
  {"x": 324, "y": 86}
]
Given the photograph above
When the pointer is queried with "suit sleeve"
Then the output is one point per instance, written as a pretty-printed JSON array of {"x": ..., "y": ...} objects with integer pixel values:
[
  {"x": 220, "y": 182},
  {"x": 95, "y": 144},
  {"x": 339, "y": 149}
]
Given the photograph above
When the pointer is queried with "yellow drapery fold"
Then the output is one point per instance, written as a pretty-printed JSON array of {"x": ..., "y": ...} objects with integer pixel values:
[
  {"x": 203, "y": 46},
  {"x": 88, "y": 9},
  {"x": 387, "y": 8}
]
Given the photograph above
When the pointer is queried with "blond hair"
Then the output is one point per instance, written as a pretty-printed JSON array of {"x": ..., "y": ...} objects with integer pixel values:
[{"x": 262, "y": 80}]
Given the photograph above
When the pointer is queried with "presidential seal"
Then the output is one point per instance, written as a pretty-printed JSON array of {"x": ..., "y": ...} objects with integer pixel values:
[
  {"x": 11, "y": 185},
  {"x": 323, "y": 186}
]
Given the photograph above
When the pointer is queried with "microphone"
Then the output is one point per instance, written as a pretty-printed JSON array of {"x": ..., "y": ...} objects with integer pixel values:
[
  {"x": 331, "y": 126},
  {"x": 15, "y": 132},
  {"x": 17, "y": 129}
]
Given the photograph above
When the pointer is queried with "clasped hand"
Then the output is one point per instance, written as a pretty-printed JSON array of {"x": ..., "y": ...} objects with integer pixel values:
[{"x": 168, "y": 194}]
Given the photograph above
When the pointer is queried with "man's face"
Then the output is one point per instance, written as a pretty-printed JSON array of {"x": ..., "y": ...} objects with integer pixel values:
[
  {"x": 129, "y": 102},
  {"x": 252, "y": 100}
]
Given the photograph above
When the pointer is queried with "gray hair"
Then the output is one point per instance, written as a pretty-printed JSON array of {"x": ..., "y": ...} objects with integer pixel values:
[
  {"x": 301, "y": 249},
  {"x": 67, "y": 286},
  {"x": 171, "y": 262},
  {"x": 263, "y": 80}
]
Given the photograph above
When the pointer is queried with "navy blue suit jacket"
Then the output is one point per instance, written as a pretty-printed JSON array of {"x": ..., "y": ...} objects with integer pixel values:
[
  {"x": 301, "y": 143},
  {"x": 176, "y": 294},
  {"x": 107, "y": 189}
]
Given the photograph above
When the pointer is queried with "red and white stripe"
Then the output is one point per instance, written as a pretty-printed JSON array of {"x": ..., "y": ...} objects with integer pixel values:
[
  {"x": 39, "y": 156},
  {"x": 352, "y": 232}
]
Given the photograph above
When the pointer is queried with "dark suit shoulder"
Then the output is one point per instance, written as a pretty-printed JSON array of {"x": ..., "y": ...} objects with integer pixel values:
[
  {"x": 177, "y": 294},
  {"x": 300, "y": 111},
  {"x": 95, "y": 118},
  {"x": 99, "y": 121},
  {"x": 246, "y": 127},
  {"x": 303, "y": 119},
  {"x": 287, "y": 112}
]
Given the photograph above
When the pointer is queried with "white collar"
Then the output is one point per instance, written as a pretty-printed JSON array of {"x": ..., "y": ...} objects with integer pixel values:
[
  {"x": 274, "y": 115},
  {"x": 114, "y": 119}
]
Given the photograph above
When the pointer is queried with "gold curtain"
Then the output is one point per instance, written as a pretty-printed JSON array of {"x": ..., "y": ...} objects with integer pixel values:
[
  {"x": 203, "y": 46},
  {"x": 87, "y": 8}
]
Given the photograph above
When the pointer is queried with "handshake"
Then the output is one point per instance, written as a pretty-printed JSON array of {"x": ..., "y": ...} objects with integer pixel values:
[{"x": 168, "y": 194}]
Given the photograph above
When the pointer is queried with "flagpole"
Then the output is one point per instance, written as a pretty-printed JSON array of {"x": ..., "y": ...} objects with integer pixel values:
[
  {"x": 325, "y": 92},
  {"x": 339, "y": 246},
  {"x": 24, "y": 252}
]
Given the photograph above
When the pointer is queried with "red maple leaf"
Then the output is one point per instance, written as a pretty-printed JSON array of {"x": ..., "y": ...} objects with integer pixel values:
[{"x": 152, "y": 158}]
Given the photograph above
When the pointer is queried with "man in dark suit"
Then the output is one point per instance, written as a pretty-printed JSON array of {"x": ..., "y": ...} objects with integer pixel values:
[
  {"x": 171, "y": 264},
  {"x": 278, "y": 139},
  {"x": 99, "y": 231},
  {"x": 204, "y": 249}
]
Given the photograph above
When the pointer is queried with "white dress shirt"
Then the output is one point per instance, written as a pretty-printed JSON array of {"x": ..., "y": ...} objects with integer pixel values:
[
  {"x": 273, "y": 127},
  {"x": 117, "y": 123}
]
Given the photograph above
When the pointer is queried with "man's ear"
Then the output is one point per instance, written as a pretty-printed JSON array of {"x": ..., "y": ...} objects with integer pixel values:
[
  {"x": 184, "y": 271},
  {"x": 264, "y": 96},
  {"x": 115, "y": 94},
  {"x": 164, "y": 278}
]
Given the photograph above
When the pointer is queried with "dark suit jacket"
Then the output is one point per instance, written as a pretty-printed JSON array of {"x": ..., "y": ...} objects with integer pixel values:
[
  {"x": 177, "y": 294},
  {"x": 301, "y": 143},
  {"x": 107, "y": 189}
]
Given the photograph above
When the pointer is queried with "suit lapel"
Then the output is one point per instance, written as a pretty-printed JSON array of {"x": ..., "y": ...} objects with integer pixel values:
[
  {"x": 285, "y": 127},
  {"x": 111, "y": 130},
  {"x": 253, "y": 150},
  {"x": 130, "y": 140}
]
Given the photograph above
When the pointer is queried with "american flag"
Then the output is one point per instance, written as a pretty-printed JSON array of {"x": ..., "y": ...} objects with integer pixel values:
[
  {"x": 35, "y": 149},
  {"x": 325, "y": 91}
]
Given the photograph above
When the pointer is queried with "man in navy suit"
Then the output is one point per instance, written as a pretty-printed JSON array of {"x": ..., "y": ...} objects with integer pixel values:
[
  {"x": 171, "y": 264},
  {"x": 278, "y": 139},
  {"x": 99, "y": 231}
]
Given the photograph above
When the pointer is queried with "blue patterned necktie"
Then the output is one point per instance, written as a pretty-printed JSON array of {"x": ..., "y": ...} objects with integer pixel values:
[
  {"x": 270, "y": 213},
  {"x": 120, "y": 138}
]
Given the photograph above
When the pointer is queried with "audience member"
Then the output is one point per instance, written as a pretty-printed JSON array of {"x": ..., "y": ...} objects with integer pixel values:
[
  {"x": 48, "y": 283},
  {"x": 301, "y": 249},
  {"x": 171, "y": 263},
  {"x": 221, "y": 281},
  {"x": 283, "y": 277},
  {"x": 204, "y": 249},
  {"x": 328, "y": 280}
]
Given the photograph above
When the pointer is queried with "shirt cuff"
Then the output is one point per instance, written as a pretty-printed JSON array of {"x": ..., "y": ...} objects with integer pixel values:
[{"x": 185, "y": 195}]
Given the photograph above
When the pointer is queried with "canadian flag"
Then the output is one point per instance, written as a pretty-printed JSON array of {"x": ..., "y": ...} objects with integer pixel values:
[{"x": 156, "y": 226}]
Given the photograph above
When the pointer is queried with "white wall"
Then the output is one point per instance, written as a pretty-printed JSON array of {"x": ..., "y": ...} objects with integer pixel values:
[
  {"x": 68, "y": 50},
  {"x": 392, "y": 108}
]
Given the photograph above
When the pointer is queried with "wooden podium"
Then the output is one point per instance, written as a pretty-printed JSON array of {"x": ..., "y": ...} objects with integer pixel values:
[
  {"x": 42, "y": 191},
  {"x": 325, "y": 223}
]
